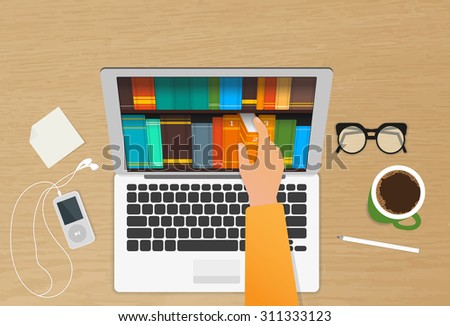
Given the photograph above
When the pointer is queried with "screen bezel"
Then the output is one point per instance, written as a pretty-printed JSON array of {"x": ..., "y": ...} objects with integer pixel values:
[{"x": 113, "y": 114}]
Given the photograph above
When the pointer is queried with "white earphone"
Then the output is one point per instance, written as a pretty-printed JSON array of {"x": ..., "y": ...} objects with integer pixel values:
[{"x": 86, "y": 163}]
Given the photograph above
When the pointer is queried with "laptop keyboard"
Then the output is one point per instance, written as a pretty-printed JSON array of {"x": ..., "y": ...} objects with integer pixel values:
[{"x": 194, "y": 217}]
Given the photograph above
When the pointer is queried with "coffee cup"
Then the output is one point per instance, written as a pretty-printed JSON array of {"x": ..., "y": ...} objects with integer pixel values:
[{"x": 397, "y": 194}]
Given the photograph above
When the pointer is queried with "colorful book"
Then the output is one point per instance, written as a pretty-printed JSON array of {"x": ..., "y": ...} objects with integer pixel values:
[
  {"x": 181, "y": 91},
  {"x": 201, "y": 144},
  {"x": 125, "y": 93},
  {"x": 249, "y": 90},
  {"x": 284, "y": 139},
  {"x": 248, "y": 135},
  {"x": 301, "y": 147},
  {"x": 260, "y": 94},
  {"x": 176, "y": 137},
  {"x": 214, "y": 93},
  {"x": 164, "y": 93},
  {"x": 270, "y": 93},
  {"x": 302, "y": 93},
  {"x": 230, "y": 93},
  {"x": 199, "y": 93},
  {"x": 283, "y": 93},
  {"x": 230, "y": 140},
  {"x": 154, "y": 143},
  {"x": 143, "y": 93},
  {"x": 217, "y": 142},
  {"x": 269, "y": 122},
  {"x": 135, "y": 141}
]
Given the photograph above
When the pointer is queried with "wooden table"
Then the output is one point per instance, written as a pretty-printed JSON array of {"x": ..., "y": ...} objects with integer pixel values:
[{"x": 391, "y": 62}]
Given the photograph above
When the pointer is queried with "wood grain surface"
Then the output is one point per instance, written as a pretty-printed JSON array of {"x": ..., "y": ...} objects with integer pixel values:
[{"x": 391, "y": 62}]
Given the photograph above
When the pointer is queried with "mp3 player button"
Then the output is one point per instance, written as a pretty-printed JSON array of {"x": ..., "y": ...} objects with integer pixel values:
[{"x": 77, "y": 233}]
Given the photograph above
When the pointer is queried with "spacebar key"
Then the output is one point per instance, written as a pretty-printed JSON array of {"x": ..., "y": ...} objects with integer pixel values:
[{"x": 207, "y": 245}]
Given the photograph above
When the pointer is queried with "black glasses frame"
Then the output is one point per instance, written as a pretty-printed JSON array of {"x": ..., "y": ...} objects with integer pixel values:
[{"x": 374, "y": 134}]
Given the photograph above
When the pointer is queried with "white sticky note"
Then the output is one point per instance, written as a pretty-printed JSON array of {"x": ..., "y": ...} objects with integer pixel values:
[{"x": 54, "y": 137}]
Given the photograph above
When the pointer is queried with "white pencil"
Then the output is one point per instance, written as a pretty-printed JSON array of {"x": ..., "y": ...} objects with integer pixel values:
[{"x": 379, "y": 244}]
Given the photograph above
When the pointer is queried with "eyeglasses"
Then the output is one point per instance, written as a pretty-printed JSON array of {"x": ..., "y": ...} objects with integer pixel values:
[{"x": 390, "y": 137}]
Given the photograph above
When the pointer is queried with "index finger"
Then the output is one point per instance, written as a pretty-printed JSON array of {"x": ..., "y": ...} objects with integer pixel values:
[{"x": 263, "y": 134}]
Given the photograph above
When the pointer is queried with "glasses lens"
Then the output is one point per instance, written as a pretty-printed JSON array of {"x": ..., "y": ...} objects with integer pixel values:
[
  {"x": 390, "y": 139},
  {"x": 352, "y": 139}
]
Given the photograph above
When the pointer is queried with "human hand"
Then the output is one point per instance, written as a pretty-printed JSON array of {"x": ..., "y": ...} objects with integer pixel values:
[{"x": 262, "y": 178}]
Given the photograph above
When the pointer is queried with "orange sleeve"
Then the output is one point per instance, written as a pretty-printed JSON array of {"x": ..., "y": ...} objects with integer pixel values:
[{"x": 269, "y": 275}]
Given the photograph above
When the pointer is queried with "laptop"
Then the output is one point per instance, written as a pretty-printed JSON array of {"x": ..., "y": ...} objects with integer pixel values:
[{"x": 179, "y": 214}]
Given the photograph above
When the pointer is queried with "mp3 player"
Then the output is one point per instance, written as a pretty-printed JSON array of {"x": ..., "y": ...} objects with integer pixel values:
[{"x": 74, "y": 220}]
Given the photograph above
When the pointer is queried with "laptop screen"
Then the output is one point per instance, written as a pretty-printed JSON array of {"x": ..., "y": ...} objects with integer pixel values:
[{"x": 195, "y": 123}]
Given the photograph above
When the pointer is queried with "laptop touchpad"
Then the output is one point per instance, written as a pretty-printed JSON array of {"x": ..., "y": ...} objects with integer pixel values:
[{"x": 216, "y": 271}]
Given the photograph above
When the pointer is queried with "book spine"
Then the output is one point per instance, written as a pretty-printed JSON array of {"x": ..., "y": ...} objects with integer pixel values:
[
  {"x": 284, "y": 139},
  {"x": 269, "y": 121},
  {"x": 135, "y": 141},
  {"x": 125, "y": 93},
  {"x": 154, "y": 143},
  {"x": 181, "y": 90},
  {"x": 176, "y": 137},
  {"x": 302, "y": 93},
  {"x": 201, "y": 145},
  {"x": 283, "y": 93},
  {"x": 249, "y": 139},
  {"x": 230, "y": 141},
  {"x": 230, "y": 93},
  {"x": 143, "y": 93},
  {"x": 217, "y": 142},
  {"x": 270, "y": 93},
  {"x": 164, "y": 93},
  {"x": 260, "y": 94},
  {"x": 199, "y": 93},
  {"x": 249, "y": 90},
  {"x": 214, "y": 93},
  {"x": 301, "y": 147}
]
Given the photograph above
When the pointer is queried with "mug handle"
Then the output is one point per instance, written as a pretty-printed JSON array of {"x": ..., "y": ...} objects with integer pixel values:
[{"x": 417, "y": 223}]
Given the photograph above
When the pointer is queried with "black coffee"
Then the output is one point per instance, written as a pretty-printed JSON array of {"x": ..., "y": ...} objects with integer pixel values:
[{"x": 398, "y": 192}]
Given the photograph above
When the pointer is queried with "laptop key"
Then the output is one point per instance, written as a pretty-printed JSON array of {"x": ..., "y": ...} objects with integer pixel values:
[
  {"x": 185, "y": 209},
  {"x": 243, "y": 197},
  {"x": 168, "y": 197},
  {"x": 172, "y": 209},
  {"x": 152, "y": 187},
  {"x": 196, "y": 233},
  {"x": 216, "y": 221},
  {"x": 242, "y": 245},
  {"x": 180, "y": 197},
  {"x": 134, "y": 209},
  {"x": 166, "y": 221},
  {"x": 218, "y": 197},
  {"x": 174, "y": 187},
  {"x": 240, "y": 221},
  {"x": 281, "y": 197},
  {"x": 233, "y": 233},
  {"x": 298, "y": 209},
  {"x": 195, "y": 187},
  {"x": 142, "y": 187},
  {"x": 237, "y": 187},
  {"x": 147, "y": 209},
  {"x": 170, "y": 245},
  {"x": 131, "y": 187},
  {"x": 290, "y": 187},
  {"x": 136, "y": 221},
  {"x": 216, "y": 187},
  {"x": 163, "y": 187},
  {"x": 203, "y": 221},
  {"x": 206, "y": 187},
  {"x": 158, "y": 233},
  {"x": 226, "y": 187},
  {"x": 145, "y": 245},
  {"x": 235, "y": 209},
  {"x": 139, "y": 233},
  {"x": 171, "y": 233},
  {"x": 228, "y": 221},
  {"x": 296, "y": 221},
  {"x": 160, "y": 209},
  {"x": 221, "y": 233},
  {"x": 155, "y": 197},
  {"x": 208, "y": 233},
  {"x": 178, "y": 221},
  {"x": 132, "y": 245},
  {"x": 157, "y": 245},
  {"x": 143, "y": 197},
  {"x": 153, "y": 220},
  {"x": 205, "y": 197},
  {"x": 297, "y": 197},
  {"x": 207, "y": 245},
  {"x": 301, "y": 187},
  {"x": 193, "y": 197},
  {"x": 191, "y": 221},
  {"x": 210, "y": 209},
  {"x": 287, "y": 209},
  {"x": 222, "y": 209},
  {"x": 131, "y": 197},
  {"x": 184, "y": 187},
  {"x": 296, "y": 233},
  {"x": 244, "y": 208},
  {"x": 281, "y": 188},
  {"x": 230, "y": 197},
  {"x": 197, "y": 209},
  {"x": 243, "y": 233},
  {"x": 300, "y": 248},
  {"x": 183, "y": 233}
]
